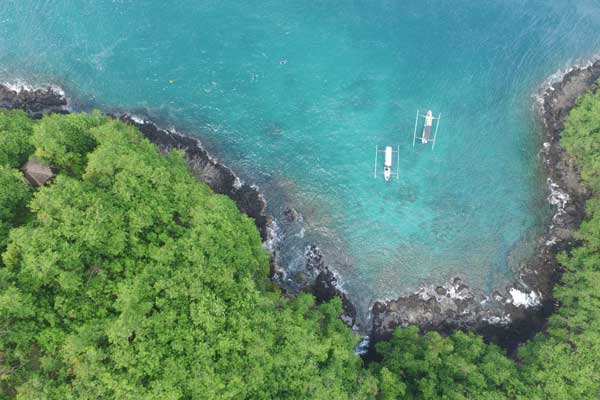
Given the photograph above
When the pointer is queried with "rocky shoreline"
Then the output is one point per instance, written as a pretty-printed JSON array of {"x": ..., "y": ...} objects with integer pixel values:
[
  {"x": 507, "y": 317},
  {"x": 322, "y": 282},
  {"x": 521, "y": 310},
  {"x": 220, "y": 178},
  {"x": 35, "y": 101}
]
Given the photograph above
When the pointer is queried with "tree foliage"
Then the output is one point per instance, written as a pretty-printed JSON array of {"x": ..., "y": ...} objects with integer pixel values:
[
  {"x": 15, "y": 132},
  {"x": 15, "y": 193},
  {"x": 580, "y": 137},
  {"x": 565, "y": 362},
  {"x": 134, "y": 281},
  {"x": 65, "y": 140},
  {"x": 460, "y": 366}
]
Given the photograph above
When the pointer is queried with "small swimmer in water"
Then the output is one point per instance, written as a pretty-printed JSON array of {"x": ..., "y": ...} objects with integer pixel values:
[{"x": 283, "y": 61}]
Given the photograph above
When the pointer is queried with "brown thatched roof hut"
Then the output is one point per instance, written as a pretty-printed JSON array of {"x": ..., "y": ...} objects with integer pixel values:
[{"x": 37, "y": 173}]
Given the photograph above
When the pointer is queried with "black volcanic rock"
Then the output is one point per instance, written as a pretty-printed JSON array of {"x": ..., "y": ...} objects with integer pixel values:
[
  {"x": 36, "y": 102},
  {"x": 325, "y": 286}
]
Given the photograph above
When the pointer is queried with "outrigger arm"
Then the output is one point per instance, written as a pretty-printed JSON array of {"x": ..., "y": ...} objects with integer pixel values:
[
  {"x": 437, "y": 125},
  {"x": 376, "y": 151},
  {"x": 398, "y": 163},
  {"x": 415, "y": 131}
]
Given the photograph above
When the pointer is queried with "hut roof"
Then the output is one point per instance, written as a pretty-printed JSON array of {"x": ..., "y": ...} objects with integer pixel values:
[{"x": 37, "y": 173}]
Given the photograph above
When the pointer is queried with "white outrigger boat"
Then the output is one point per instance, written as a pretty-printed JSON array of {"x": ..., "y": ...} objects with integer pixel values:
[
  {"x": 426, "y": 135},
  {"x": 387, "y": 164}
]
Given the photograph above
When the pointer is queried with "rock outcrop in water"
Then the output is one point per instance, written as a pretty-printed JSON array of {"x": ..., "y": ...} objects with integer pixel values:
[{"x": 35, "y": 101}]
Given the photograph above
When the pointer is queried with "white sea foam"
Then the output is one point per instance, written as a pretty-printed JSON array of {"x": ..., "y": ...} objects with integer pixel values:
[
  {"x": 558, "y": 198},
  {"x": 19, "y": 85},
  {"x": 273, "y": 236},
  {"x": 522, "y": 299},
  {"x": 237, "y": 183},
  {"x": 137, "y": 120},
  {"x": 557, "y": 76},
  {"x": 59, "y": 90},
  {"x": 455, "y": 293},
  {"x": 363, "y": 346},
  {"x": 498, "y": 320}
]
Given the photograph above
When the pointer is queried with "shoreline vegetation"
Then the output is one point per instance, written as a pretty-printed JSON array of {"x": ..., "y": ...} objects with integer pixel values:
[{"x": 100, "y": 291}]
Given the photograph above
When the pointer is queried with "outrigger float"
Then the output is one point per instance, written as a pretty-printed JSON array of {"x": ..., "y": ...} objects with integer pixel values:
[
  {"x": 426, "y": 135},
  {"x": 387, "y": 164}
]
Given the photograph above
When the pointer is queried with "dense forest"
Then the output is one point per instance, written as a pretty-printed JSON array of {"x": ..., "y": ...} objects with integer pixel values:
[{"x": 127, "y": 278}]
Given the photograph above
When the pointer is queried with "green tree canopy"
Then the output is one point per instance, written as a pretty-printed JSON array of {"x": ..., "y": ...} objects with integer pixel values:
[
  {"x": 460, "y": 366},
  {"x": 65, "y": 140},
  {"x": 564, "y": 362},
  {"x": 135, "y": 281},
  {"x": 581, "y": 135},
  {"x": 15, "y": 193},
  {"x": 15, "y": 132}
]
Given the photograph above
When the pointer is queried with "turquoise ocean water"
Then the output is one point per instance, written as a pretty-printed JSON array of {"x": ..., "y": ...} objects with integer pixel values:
[{"x": 294, "y": 95}]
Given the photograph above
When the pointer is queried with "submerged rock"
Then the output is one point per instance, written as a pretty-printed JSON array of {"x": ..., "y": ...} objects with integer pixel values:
[{"x": 291, "y": 215}]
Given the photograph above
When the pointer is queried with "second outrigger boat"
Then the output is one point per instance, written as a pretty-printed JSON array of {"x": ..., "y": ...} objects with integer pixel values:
[{"x": 426, "y": 135}]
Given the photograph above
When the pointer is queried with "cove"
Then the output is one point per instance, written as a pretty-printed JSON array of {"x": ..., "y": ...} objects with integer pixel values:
[{"x": 295, "y": 96}]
